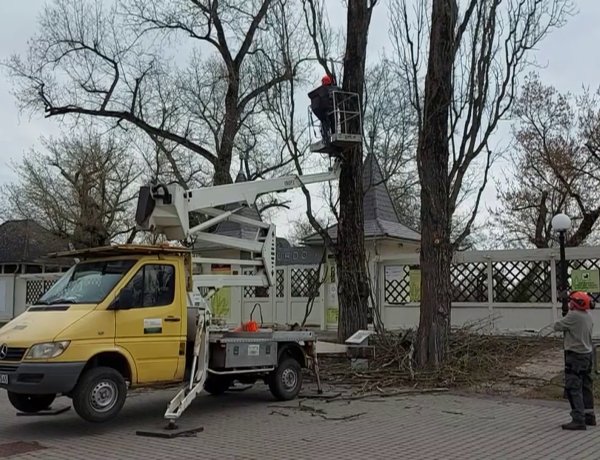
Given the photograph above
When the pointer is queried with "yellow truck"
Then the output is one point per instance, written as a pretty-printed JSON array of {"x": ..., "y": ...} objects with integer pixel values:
[
  {"x": 118, "y": 319},
  {"x": 130, "y": 316}
]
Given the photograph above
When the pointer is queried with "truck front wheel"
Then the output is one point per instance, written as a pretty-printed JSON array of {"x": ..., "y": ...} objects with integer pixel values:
[
  {"x": 285, "y": 383},
  {"x": 30, "y": 404},
  {"x": 100, "y": 394}
]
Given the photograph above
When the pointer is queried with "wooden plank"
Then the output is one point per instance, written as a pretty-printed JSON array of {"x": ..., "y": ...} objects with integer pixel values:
[{"x": 118, "y": 250}]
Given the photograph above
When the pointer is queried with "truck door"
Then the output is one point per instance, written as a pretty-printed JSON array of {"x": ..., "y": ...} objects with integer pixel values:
[{"x": 149, "y": 323}]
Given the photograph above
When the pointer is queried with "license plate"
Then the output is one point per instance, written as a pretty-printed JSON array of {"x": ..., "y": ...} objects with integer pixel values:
[{"x": 3, "y": 379}]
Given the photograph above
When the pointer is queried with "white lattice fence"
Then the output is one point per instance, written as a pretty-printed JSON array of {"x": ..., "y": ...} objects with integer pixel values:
[
  {"x": 515, "y": 290},
  {"x": 29, "y": 288}
]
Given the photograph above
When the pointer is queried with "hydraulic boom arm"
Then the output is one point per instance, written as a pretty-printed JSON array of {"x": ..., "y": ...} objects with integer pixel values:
[{"x": 165, "y": 209}]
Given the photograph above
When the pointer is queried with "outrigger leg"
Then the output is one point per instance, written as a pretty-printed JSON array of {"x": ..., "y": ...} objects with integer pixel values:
[{"x": 187, "y": 394}]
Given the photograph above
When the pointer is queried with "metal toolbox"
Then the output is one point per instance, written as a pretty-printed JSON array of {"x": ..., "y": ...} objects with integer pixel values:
[{"x": 243, "y": 353}]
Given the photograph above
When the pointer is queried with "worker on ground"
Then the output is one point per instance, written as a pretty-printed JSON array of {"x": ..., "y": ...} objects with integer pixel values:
[
  {"x": 321, "y": 104},
  {"x": 577, "y": 326}
]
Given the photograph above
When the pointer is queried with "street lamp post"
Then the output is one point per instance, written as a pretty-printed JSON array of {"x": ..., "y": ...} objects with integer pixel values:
[{"x": 560, "y": 224}]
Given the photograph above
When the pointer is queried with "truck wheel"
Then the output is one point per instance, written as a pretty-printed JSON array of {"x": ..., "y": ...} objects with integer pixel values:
[
  {"x": 285, "y": 383},
  {"x": 30, "y": 404},
  {"x": 100, "y": 394},
  {"x": 217, "y": 385}
]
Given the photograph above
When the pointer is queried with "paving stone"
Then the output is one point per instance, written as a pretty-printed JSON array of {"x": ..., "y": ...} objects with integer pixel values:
[{"x": 250, "y": 425}]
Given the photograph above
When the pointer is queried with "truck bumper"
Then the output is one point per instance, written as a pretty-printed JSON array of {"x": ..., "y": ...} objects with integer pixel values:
[{"x": 41, "y": 378}]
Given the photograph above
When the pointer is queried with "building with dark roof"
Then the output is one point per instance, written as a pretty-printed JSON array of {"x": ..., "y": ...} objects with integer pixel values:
[
  {"x": 381, "y": 218},
  {"x": 24, "y": 245},
  {"x": 25, "y": 272}
]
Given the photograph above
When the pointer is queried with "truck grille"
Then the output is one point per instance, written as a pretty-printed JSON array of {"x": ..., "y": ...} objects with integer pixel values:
[
  {"x": 14, "y": 354},
  {"x": 8, "y": 368}
]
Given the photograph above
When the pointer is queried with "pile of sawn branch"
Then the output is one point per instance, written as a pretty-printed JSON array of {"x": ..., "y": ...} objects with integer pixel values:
[{"x": 473, "y": 357}]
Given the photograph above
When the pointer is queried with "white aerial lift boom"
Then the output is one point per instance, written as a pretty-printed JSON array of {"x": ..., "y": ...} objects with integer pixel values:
[{"x": 165, "y": 209}]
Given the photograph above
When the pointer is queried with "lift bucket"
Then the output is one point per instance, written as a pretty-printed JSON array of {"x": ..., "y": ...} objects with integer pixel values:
[
  {"x": 145, "y": 206},
  {"x": 344, "y": 127}
]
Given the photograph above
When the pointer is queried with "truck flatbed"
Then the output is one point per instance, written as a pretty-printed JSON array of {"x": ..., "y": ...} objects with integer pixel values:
[{"x": 261, "y": 336}]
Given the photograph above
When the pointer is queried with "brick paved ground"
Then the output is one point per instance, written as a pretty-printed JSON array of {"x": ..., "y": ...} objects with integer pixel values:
[{"x": 251, "y": 425}]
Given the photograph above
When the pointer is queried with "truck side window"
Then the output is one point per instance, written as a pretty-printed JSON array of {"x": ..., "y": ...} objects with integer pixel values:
[{"x": 152, "y": 286}]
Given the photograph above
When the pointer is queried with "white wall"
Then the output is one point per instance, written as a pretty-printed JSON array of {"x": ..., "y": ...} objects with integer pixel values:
[{"x": 6, "y": 297}]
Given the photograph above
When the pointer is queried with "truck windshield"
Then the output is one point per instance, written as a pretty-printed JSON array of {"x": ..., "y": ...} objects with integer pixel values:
[{"x": 87, "y": 282}]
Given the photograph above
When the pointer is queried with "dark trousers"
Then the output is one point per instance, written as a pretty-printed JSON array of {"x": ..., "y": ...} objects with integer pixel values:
[
  {"x": 327, "y": 127},
  {"x": 579, "y": 386}
]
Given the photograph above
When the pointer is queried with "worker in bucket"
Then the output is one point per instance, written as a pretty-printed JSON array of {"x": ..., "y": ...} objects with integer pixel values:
[
  {"x": 577, "y": 326},
  {"x": 321, "y": 104}
]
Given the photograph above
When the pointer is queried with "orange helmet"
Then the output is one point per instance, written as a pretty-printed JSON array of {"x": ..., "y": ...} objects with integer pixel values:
[
  {"x": 580, "y": 301},
  {"x": 326, "y": 80}
]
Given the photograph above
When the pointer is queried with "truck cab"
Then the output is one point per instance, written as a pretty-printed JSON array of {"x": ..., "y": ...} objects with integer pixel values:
[{"x": 117, "y": 319}]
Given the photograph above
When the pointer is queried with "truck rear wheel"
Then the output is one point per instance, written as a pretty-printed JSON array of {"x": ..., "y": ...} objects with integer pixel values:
[
  {"x": 100, "y": 394},
  {"x": 285, "y": 383},
  {"x": 30, "y": 404}
]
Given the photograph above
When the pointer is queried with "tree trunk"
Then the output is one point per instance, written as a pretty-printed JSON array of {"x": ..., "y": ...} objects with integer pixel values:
[
  {"x": 432, "y": 158},
  {"x": 353, "y": 288},
  {"x": 222, "y": 173}
]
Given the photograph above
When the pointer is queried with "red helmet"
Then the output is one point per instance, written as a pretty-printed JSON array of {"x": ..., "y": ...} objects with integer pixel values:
[
  {"x": 326, "y": 80},
  {"x": 580, "y": 301}
]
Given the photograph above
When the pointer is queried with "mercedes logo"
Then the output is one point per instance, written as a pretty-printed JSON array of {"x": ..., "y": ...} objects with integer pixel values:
[{"x": 3, "y": 351}]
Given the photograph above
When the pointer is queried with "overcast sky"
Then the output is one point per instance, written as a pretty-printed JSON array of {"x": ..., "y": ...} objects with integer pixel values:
[{"x": 569, "y": 56}]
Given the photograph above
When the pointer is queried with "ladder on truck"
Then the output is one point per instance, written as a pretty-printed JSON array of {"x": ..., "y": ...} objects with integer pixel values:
[{"x": 165, "y": 209}]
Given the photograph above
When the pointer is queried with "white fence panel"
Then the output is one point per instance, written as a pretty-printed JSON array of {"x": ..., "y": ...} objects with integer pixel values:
[
  {"x": 7, "y": 285},
  {"x": 303, "y": 283},
  {"x": 514, "y": 291},
  {"x": 29, "y": 288},
  {"x": 258, "y": 303}
]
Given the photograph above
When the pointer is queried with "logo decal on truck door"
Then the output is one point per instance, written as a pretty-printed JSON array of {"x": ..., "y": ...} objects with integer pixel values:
[{"x": 152, "y": 326}]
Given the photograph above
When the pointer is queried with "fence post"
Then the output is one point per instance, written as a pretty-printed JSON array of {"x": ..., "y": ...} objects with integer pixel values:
[
  {"x": 380, "y": 291},
  {"x": 490, "y": 291},
  {"x": 553, "y": 287}
]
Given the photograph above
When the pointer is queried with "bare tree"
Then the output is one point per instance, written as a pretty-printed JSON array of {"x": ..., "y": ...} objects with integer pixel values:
[
  {"x": 81, "y": 187},
  {"x": 347, "y": 204},
  {"x": 475, "y": 55},
  {"x": 554, "y": 137},
  {"x": 349, "y": 248},
  {"x": 121, "y": 63}
]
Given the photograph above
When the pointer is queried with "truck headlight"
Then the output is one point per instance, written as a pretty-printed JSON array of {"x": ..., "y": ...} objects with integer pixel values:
[{"x": 47, "y": 350}]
